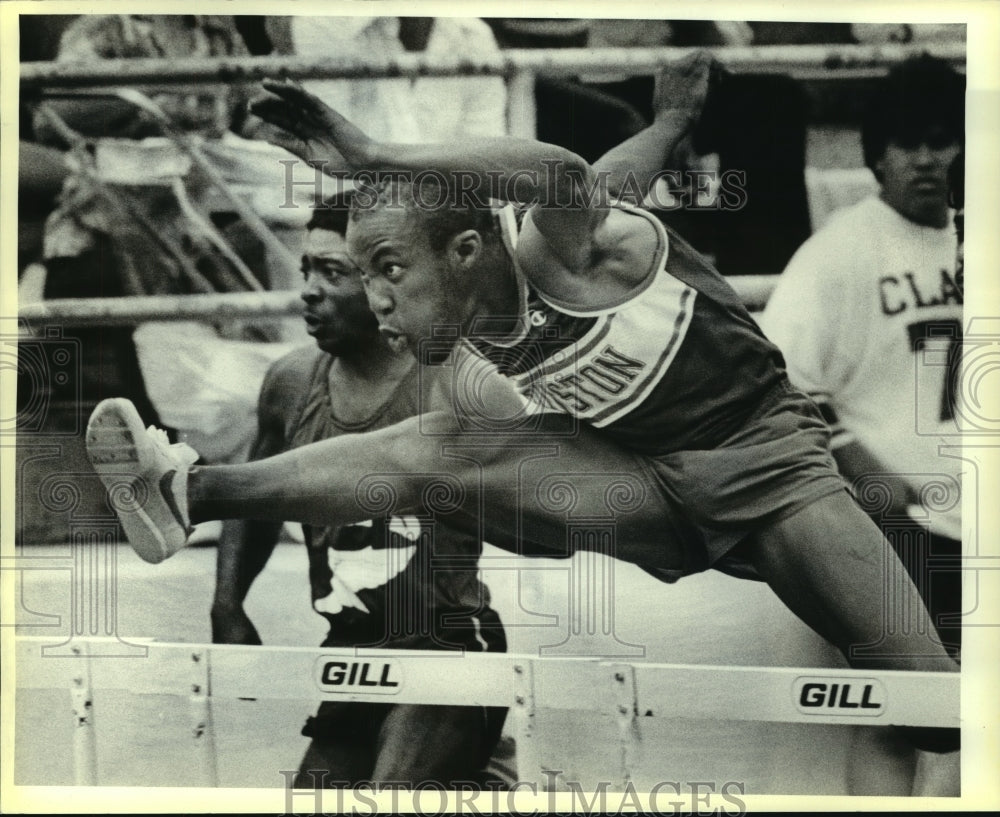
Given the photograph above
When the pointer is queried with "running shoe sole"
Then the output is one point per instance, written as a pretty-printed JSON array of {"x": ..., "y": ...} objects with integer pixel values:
[{"x": 138, "y": 477}]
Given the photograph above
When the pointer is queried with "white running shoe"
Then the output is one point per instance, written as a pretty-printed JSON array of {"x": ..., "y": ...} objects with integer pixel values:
[{"x": 145, "y": 477}]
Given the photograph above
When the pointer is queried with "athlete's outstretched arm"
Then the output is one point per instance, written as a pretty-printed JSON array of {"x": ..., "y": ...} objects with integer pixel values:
[
  {"x": 559, "y": 182},
  {"x": 684, "y": 102}
]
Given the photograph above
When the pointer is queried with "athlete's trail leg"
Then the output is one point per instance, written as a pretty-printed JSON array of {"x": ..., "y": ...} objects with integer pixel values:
[{"x": 833, "y": 568}]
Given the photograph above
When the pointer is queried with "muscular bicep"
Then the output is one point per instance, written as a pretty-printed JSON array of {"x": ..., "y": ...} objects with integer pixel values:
[{"x": 556, "y": 243}]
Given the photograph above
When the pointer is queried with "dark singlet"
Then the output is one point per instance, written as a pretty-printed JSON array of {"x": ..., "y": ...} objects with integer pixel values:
[
  {"x": 679, "y": 365},
  {"x": 391, "y": 582}
]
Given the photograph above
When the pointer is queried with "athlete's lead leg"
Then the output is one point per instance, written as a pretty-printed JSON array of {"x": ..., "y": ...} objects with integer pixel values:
[{"x": 512, "y": 490}]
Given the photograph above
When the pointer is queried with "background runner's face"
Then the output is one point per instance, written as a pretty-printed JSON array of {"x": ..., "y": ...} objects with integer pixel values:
[
  {"x": 411, "y": 287},
  {"x": 336, "y": 310}
]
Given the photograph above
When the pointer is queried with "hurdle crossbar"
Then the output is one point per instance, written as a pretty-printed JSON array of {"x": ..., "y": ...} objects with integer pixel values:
[
  {"x": 754, "y": 290},
  {"x": 803, "y": 61},
  {"x": 478, "y": 679},
  {"x": 525, "y": 683}
]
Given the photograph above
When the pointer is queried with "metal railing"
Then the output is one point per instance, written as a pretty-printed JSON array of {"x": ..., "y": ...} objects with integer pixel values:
[
  {"x": 518, "y": 66},
  {"x": 813, "y": 61},
  {"x": 133, "y": 310}
]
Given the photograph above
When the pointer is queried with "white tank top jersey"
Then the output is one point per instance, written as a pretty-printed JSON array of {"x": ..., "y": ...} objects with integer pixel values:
[
  {"x": 868, "y": 315},
  {"x": 654, "y": 372}
]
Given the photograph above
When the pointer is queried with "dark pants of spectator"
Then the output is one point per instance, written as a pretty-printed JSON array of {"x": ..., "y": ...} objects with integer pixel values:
[
  {"x": 761, "y": 134},
  {"x": 934, "y": 563},
  {"x": 583, "y": 119}
]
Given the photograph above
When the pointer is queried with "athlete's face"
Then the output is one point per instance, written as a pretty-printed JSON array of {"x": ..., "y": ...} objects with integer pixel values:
[
  {"x": 336, "y": 310},
  {"x": 415, "y": 291},
  {"x": 914, "y": 174}
]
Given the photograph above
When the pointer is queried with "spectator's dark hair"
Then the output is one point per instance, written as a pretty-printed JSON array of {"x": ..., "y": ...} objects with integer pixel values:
[
  {"x": 331, "y": 214},
  {"x": 442, "y": 214},
  {"x": 918, "y": 94}
]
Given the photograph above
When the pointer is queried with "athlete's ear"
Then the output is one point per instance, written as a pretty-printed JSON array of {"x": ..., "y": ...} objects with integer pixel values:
[{"x": 464, "y": 248}]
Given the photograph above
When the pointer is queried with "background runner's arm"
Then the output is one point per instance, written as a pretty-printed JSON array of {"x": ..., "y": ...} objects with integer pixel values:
[{"x": 246, "y": 546}]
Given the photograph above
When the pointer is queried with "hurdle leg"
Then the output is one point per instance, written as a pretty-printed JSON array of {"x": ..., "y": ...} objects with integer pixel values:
[
  {"x": 84, "y": 726},
  {"x": 623, "y": 695},
  {"x": 529, "y": 766},
  {"x": 202, "y": 727}
]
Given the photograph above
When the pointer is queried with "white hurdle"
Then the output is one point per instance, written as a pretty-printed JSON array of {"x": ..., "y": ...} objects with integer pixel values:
[{"x": 627, "y": 692}]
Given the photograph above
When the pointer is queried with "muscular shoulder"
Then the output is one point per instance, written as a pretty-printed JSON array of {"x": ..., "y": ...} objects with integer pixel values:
[
  {"x": 288, "y": 375},
  {"x": 622, "y": 251}
]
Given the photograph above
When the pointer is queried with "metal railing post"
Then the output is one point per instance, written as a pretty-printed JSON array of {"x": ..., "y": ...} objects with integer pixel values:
[{"x": 521, "y": 116}]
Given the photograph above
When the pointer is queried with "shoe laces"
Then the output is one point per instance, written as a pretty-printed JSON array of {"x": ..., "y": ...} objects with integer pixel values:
[{"x": 181, "y": 453}]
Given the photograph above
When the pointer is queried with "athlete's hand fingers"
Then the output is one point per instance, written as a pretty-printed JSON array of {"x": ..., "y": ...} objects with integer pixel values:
[
  {"x": 288, "y": 105},
  {"x": 292, "y": 144},
  {"x": 299, "y": 102},
  {"x": 293, "y": 132},
  {"x": 296, "y": 111},
  {"x": 293, "y": 92},
  {"x": 691, "y": 89},
  {"x": 277, "y": 113},
  {"x": 683, "y": 85}
]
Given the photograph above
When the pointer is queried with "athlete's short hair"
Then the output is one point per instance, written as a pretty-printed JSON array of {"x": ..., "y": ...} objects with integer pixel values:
[
  {"x": 443, "y": 212},
  {"x": 330, "y": 214},
  {"x": 918, "y": 94}
]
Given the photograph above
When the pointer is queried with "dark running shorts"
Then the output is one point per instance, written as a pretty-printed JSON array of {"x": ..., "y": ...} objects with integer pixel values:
[
  {"x": 672, "y": 514},
  {"x": 778, "y": 463}
]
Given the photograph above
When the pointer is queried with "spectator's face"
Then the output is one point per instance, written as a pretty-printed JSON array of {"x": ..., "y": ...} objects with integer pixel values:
[
  {"x": 336, "y": 311},
  {"x": 914, "y": 174},
  {"x": 412, "y": 288}
]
